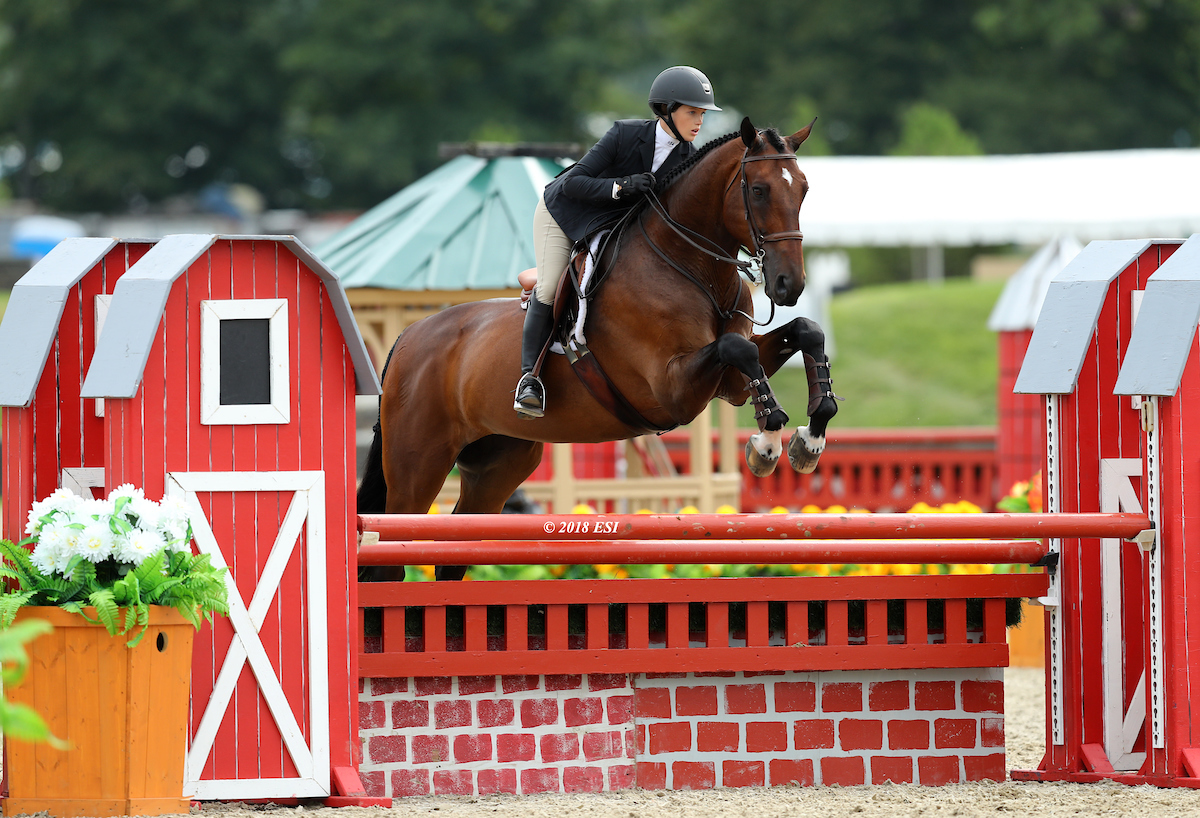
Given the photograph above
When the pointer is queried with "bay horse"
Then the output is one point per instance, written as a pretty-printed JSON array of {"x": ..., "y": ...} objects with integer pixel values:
[{"x": 671, "y": 327}]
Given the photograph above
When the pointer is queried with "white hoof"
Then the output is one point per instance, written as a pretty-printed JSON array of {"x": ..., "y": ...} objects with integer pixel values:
[
  {"x": 804, "y": 450},
  {"x": 763, "y": 452}
]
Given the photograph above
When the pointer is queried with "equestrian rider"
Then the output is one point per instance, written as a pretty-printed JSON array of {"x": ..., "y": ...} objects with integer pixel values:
[{"x": 593, "y": 192}]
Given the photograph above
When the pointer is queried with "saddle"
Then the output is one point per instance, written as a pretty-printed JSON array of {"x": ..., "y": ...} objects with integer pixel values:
[{"x": 570, "y": 315}]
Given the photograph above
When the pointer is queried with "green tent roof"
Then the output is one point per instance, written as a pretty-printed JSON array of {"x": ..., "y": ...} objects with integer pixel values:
[{"x": 468, "y": 225}]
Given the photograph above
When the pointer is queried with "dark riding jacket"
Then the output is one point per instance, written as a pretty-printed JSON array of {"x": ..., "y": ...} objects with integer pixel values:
[{"x": 581, "y": 198}]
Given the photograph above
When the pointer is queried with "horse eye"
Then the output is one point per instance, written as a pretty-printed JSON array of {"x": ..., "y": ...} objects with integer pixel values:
[{"x": 757, "y": 191}]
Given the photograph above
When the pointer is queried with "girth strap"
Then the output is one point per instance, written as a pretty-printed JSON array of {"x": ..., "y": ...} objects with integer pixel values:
[{"x": 596, "y": 381}]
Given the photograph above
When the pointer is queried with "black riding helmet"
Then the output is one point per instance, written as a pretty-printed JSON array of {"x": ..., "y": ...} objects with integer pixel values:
[{"x": 679, "y": 86}]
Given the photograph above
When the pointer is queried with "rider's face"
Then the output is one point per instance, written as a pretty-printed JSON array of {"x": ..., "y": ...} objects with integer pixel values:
[{"x": 688, "y": 120}]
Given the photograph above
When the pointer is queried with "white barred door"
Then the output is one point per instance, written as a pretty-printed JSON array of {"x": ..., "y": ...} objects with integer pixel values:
[{"x": 305, "y": 514}]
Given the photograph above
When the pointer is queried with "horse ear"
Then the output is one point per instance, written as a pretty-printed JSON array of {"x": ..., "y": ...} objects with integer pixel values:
[
  {"x": 749, "y": 133},
  {"x": 797, "y": 139}
]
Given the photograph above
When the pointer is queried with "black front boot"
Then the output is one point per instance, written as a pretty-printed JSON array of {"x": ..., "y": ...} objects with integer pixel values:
[{"x": 531, "y": 395}]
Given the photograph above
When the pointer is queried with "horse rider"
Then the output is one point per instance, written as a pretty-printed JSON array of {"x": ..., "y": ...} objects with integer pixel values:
[{"x": 593, "y": 192}]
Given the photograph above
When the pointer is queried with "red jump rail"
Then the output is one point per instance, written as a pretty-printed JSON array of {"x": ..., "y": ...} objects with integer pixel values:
[{"x": 566, "y": 527}]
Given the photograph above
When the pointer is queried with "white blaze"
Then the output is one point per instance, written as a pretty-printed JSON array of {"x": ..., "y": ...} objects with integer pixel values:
[{"x": 787, "y": 177}]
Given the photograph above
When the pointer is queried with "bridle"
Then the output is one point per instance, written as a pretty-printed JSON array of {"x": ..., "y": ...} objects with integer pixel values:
[{"x": 757, "y": 239}]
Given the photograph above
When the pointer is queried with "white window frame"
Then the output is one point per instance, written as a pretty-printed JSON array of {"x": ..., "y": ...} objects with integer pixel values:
[{"x": 212, "y": 313}]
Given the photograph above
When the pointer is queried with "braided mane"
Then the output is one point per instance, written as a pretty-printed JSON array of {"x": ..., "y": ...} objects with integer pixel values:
[{"x": 773, "y": 137}]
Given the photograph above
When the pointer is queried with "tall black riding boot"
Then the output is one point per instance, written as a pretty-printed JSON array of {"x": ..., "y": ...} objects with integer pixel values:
[{"x": 531, "y": 395}]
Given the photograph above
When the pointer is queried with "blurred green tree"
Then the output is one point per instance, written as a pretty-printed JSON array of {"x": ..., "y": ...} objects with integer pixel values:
[{"x": 109, "y": 105}]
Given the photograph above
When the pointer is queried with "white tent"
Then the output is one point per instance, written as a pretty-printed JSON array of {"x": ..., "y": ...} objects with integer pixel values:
[{"x": 922, "y": 201}]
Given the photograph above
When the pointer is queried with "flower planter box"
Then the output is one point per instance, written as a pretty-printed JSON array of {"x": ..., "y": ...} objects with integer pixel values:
[{"x": 123, "y": 710}]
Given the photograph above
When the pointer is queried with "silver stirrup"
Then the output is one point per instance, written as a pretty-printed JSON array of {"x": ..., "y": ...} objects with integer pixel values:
[{"x": 530, "y": 412}]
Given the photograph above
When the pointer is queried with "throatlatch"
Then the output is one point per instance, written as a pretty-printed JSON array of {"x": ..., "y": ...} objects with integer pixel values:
[{"x": 763, "y": 398}]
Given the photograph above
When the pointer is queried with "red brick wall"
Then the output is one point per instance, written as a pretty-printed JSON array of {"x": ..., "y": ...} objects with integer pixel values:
[{"x": 527, "y": 734}]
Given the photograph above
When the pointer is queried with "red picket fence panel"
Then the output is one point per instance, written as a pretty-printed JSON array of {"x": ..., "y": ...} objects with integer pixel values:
[{"x": 692, "y": 625}]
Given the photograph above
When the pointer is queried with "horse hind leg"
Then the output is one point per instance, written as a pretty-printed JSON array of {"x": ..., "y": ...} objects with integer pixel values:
[{"x": 490, "y": 470}]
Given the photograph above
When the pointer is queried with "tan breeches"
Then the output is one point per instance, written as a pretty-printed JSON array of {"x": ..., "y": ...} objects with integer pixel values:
[{"x": 552, "y": 249}]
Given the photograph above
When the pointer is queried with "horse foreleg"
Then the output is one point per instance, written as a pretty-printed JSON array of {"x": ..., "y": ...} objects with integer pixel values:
[
  {"x": 807, "y": 442},
  {"x": 763, "y": 449}
]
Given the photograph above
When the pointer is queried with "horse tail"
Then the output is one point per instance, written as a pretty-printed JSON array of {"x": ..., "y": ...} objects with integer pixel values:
[{"x": 372, "y": 491}]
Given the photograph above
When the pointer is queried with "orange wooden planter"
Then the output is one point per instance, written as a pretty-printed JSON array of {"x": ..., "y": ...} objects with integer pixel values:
[{"x": 124, "y": 711}]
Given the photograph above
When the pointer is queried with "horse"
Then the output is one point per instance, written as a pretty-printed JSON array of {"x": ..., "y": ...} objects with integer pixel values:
[{"x": 671, "y": 327}]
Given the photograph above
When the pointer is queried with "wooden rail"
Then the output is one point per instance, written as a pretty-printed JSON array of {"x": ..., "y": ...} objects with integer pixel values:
[
  {"x": 607, "y": 527},
  {"x": 696, "y": 625}
]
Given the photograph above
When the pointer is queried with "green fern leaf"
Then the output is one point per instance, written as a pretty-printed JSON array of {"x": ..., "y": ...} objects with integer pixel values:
[{"x": 106, "y": 609}]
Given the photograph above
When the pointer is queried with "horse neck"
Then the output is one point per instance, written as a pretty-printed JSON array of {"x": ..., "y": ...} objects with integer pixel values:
[{"x": 697, "y": 199}]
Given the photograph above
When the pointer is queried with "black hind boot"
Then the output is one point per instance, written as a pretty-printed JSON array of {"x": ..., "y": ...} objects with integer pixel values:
[{"x": 531, "y": 394}]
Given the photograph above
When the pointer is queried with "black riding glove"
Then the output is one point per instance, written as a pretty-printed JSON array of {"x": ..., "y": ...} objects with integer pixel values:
[{"x": 638, "y": 184}]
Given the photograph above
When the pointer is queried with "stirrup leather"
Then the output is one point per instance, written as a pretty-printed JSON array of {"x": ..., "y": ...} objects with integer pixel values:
[{"x": 531, "y": 397}]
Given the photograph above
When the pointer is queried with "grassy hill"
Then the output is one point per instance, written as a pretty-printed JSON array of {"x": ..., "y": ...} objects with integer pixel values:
[{"x": 907, "y": 355}]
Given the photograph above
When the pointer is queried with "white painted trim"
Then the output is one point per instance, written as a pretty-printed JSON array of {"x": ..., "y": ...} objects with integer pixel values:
[
  {"x": 102, "y": 304},
  {"x": 311, "y": 759},
  {"x": 1117, "y": 494},
  {"x": 212, "y": 313},
  {"x": 1053, "y": 597},
  {"x": 1154, "y": 579},
  {"x": 82, "y": 480}
]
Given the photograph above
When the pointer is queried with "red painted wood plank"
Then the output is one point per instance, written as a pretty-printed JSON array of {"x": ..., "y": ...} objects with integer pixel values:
[
  {"x": 516, "y": 628},
  {"x": 435, "y": 629},
  {"x": 717, "y": 625},
  {"x": 70, "y": 380},
  {"x": 917, "y": 587},
  {"x": 956, "y": 621},
  {"x": 877, "y": 630},
  {"x": 797, "y": 623},
  {"x": 758, "y": 627},
  {"x": 837, "y": 623},
  {"x": 47, "y": 467},
  {"x": 637, "y": 624},
  {"x": 556, "y": 627},
  {"x": 393, "y": 630},
  {"x": 677, "y": 625},
  {"x": 475, "y": 627},
  {"x": 994, "y": 629},
  {"x": 597, "y": 627},
  {"x": 665, "y": 660},
  {"x": 916, "y": 622}
]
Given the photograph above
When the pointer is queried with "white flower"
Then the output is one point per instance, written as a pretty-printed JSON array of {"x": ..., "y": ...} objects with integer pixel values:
[
  {"x": 95, "y": 541},
  {"x": 173, "y": 522},
  {"x": 60, "y": 504},
  {"x": 138, "y": 545},
  {"x": 55, "y": 546},
  {"x": 146, "y": 511},
  {"x": 45, "y": 554},
  {"x": 125, "y": 490}
]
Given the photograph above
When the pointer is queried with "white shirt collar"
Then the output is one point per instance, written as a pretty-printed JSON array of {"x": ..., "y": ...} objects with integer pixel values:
[{"x": 664, "y": 143}]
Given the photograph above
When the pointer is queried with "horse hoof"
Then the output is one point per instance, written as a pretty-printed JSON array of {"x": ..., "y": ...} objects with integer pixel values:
[
  {"x": 759, "y": 466},
  {"x": 804, "y": 450}
]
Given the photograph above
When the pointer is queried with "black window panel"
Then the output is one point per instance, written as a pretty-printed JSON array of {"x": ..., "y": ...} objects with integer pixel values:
[{"x": 245, "y": 361}]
